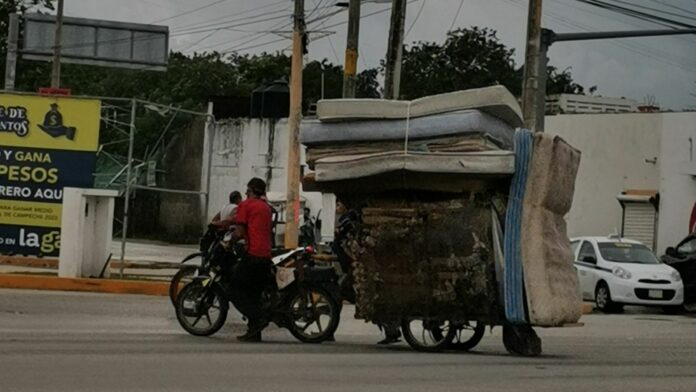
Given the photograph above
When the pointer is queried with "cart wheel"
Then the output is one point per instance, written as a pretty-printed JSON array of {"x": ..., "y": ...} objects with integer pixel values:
[
  {"x": 427, "y": 335},
  {"x": 521, "y": 340},
  {"x": 467, "y": 336}
]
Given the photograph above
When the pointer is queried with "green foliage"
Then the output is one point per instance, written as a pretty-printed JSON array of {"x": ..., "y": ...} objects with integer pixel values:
[{"x": 469, "y": 58}]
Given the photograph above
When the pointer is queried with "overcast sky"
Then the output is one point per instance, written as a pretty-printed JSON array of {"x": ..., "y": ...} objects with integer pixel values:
[{"x": 663, "y": 67}]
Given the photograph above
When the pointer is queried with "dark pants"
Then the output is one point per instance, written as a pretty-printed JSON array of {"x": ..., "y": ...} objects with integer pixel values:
[{"x": 251, "y": 276}]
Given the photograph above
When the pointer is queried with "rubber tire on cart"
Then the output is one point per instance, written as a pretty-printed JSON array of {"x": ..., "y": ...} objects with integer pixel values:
[
  {"x": 443, "y": 341},
  {"x": 466, "y": 345},
  {"x": 184, "y": 271},
  {"x": 603, "y": 299},
  {"x": 521, "y": 340}
]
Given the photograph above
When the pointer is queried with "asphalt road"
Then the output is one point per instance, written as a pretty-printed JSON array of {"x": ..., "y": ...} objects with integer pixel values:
[{"x": 52, "y": 341}]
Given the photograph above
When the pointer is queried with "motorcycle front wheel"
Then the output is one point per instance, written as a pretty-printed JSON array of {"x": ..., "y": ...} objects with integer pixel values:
[
  {"x": 201, "y": 310},
  {"x": 314, "y": 315}
]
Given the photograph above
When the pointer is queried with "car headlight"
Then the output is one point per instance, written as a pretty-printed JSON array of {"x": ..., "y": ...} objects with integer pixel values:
[
  {"x": 621, "y": 273},
  {"x": 676, "y": 277}
]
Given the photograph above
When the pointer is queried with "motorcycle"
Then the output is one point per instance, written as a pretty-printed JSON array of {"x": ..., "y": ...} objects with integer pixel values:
[
  {"x": 304, "y": 298},
  {"x": 210, "y": 243}
]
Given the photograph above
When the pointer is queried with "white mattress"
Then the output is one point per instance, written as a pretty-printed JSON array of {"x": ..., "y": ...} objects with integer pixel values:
[
  {"x": 496, "y": 101},
  {"x": 360, "y": 166},
  {"x": 463, "y": 122}
]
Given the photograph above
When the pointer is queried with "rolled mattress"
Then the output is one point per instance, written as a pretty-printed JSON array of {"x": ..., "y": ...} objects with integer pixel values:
[
  {"x": 496, "y": 101},
  {"x": 464, "y": 122},
  {"x": 360, "y": 166}
]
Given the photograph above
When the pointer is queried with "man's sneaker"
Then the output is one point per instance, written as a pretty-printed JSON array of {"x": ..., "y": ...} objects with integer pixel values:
[{"x": 253, "y": 333}]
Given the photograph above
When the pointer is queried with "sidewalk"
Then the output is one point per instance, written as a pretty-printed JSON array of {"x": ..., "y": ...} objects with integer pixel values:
[{"x": 147, "y": 270}]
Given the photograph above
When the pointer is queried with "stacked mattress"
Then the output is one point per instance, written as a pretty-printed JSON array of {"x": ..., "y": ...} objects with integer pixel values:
[{"x": 460, "y": 135}]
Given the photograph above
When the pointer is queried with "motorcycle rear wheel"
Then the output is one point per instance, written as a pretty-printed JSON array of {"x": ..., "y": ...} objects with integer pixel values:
[
  {"x": 194, "y": 305},
  {"x": 314, "y": 315}
]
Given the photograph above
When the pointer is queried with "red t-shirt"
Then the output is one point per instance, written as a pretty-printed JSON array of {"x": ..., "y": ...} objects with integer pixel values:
[{"x": 255, "y": 214}]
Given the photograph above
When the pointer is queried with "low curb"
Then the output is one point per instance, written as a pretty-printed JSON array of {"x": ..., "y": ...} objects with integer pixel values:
[{"x": 16, "y": 281}]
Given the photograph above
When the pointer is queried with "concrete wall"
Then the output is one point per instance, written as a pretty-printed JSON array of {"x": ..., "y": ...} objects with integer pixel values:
[
  {"x": 244, "y": 148},
  {"x": 616, "y": 150},
  {"x": 677, "y": 183}
]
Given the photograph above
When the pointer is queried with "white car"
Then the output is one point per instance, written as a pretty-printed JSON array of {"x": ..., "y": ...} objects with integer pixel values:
[{"x": 614, "y": 271}]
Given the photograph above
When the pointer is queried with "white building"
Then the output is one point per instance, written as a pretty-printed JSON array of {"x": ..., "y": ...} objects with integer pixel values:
[
  {"x": 575, "y": 103},
  {"x": 637, "y": 174}
]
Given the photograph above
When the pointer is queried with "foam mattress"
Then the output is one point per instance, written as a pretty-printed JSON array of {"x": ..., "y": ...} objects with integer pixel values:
[
  {"x": 463, "y": 122},
  {"x": 496, "y": 101},
  {"x": 360, "y": 166}
]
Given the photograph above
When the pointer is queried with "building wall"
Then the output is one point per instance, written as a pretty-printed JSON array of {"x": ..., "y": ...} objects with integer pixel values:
[
  {"x": 244, "y": 148},
  {"x": 616, "y": 150},
  {"x": 677, "y": 181}
]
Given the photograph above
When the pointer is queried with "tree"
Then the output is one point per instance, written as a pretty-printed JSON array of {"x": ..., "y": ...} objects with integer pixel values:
[{"x": 469, "y": 58}]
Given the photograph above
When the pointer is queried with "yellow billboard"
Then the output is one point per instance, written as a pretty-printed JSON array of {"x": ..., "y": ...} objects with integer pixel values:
[
  {"x": 49, "y": 122},
  {"x": 46, "y": 143}
]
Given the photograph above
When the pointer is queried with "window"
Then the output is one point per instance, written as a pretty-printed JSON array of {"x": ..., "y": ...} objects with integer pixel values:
[
  {"x": 574, "y": 247},
  {"x": 623, "y": 252},
  {"x": 587, "y": 250},
  {"x": 687, "y": 247}
]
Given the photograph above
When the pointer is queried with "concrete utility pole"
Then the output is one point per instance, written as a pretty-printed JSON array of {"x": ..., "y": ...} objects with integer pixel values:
[
  {"x": 530, "y": 84},
  {"x": 55, "y": 73},
  {"x": 351, "y": 63},
  {"x": 11, "y": 60},
  {"x": 292, "y": 212},
  {"x": 392, "y": 77}
]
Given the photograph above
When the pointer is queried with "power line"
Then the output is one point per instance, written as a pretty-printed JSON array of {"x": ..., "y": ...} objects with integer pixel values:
[
  {"x": 236, "y": 14},
  {"x": 189, "y": 11},
  {"x": 456, "y": 15},
  {"x": 675, "y": 7},
  {"x": 632, "y": 12},
  {"x": 416, "y": 18},
  {"x": 653, "y": 9}
]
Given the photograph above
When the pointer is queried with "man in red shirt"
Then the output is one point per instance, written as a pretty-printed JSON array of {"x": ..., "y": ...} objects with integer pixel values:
[{"x": 254, "y": 271}]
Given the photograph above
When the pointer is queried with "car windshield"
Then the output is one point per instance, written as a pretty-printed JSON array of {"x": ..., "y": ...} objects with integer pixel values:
[{"x": 623, "y": 252}]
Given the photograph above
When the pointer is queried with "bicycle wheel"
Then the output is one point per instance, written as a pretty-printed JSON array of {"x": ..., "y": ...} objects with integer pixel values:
[{"x": 427, "y": 335}]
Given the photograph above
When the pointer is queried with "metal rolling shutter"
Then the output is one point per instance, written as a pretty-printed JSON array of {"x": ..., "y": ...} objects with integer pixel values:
[{"x": 639, "y": 223}]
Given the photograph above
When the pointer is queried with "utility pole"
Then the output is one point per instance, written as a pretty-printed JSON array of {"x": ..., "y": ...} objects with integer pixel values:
[
  {"x": 392, "y": 77},
  {"x": 530, "y": 85},
  {"x": 351, "y": 63},
  {"x": 11, "y": 60},
  {"x": 55, "y": 73},
  {"x": 292, "y": 211}
]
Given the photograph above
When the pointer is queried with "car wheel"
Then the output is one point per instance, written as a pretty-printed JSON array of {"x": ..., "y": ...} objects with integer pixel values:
[
  {"x": 673, "y": 309},
  {"x": 603, "y": 299}
]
